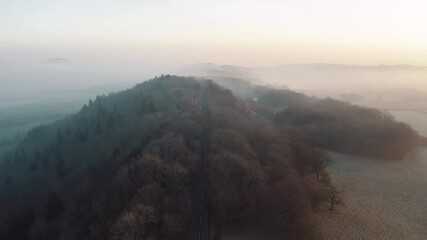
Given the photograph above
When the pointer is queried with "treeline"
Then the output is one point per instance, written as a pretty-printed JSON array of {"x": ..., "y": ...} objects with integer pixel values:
[
  {"x": 279, "y": 98},
  {"x": 346, "y": 128}
]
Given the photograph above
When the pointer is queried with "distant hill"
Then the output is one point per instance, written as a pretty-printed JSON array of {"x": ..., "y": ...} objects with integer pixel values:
[
  {"x": 58, "y": 60},
  {"x": 211, "y": 68},
  {"x": 214, "y": 71},
  {"x": 349, "y": 66}
]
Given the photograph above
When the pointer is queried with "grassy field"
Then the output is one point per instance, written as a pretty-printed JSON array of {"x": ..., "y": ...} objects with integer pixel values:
[{"x": 384, "y": 200}]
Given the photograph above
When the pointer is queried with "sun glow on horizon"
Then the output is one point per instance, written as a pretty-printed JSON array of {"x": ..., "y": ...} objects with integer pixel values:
[{"x": 277, "y": 31}]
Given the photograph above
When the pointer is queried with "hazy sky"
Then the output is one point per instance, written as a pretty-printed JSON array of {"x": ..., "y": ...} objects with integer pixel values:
[{"x": 242, "y": 32}]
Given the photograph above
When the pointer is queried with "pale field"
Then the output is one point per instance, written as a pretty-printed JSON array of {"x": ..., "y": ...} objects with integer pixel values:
[{"x": 383, "y": 200}]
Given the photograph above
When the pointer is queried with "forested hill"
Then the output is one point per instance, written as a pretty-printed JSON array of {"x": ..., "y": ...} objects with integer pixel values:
[
  {"x": 337, "y": 125},
  {"x": 127, "y": 166}
]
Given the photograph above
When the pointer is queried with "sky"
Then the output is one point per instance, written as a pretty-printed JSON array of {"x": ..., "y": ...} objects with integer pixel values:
[{"x": 239, "y": 32}]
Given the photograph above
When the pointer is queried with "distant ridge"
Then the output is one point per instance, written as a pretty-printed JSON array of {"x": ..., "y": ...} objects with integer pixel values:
[
  {"x": 213, "y": 66},
  {"x": 351, "y": 66},
  {"x": 58, "y": 60}
]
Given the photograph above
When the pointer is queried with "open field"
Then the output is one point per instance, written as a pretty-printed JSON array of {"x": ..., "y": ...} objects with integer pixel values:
[{"x": 384, "y": 200}]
